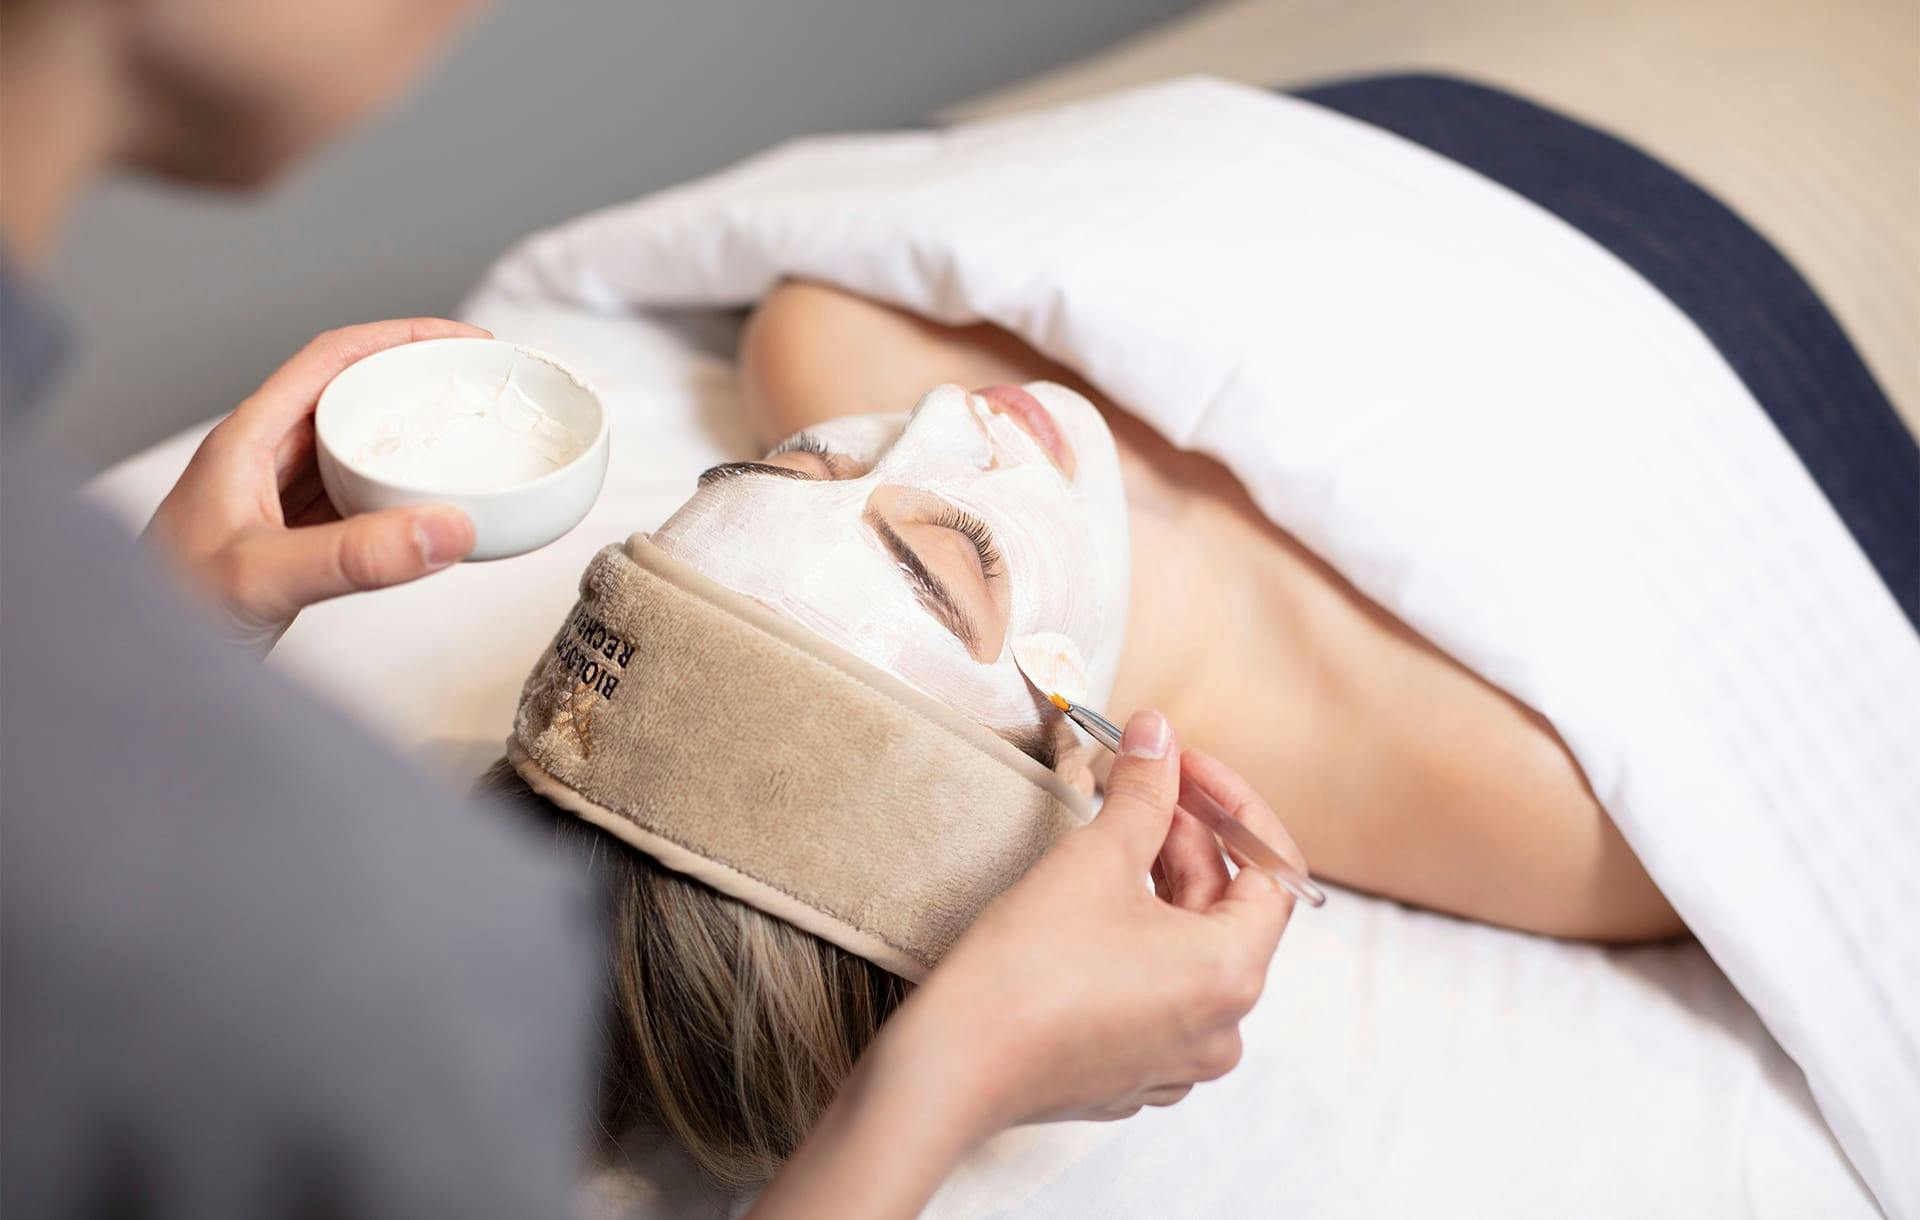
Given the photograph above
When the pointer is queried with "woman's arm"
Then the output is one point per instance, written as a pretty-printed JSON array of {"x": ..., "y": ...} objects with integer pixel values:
[{"x": 1077, "y": 994}]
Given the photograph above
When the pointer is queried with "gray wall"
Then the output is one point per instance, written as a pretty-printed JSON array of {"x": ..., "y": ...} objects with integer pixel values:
[{"x": 186, "y": 301}]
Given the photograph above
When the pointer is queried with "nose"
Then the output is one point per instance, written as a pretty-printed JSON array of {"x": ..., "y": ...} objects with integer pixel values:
[{"x": 1030, "y": 417}]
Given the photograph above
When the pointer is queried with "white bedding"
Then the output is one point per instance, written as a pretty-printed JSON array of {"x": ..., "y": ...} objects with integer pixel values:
[
  {"x": 1742, "y": 96},
  {"x": 1403, "y": 1062}
]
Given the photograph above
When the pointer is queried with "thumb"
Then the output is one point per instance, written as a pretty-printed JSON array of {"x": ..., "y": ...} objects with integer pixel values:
[
  {"x": 293, "y": 390},
  {"x": 288, "y": 570},
  {"x": 1142, "y": 787}
]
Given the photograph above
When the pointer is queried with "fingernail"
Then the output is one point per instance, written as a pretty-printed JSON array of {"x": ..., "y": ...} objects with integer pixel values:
[
  {"x": 1148, "y": 735},
  {"x": 443, "y": 537}
]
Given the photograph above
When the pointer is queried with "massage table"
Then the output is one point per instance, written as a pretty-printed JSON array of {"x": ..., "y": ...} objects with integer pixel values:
[{"x": 1402, "y": 1061}]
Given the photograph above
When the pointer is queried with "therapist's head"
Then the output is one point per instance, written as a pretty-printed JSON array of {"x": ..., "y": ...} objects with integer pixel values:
[
  {"x": 929, "y": 542},
  {"x": 229, "y": 91}
]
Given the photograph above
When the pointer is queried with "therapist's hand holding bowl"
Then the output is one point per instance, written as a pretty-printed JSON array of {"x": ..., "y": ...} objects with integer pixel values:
[{"x": 249, "y": 524}]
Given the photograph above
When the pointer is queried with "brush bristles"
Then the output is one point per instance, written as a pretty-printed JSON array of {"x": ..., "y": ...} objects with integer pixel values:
[{"x": 1058, "y": 700}]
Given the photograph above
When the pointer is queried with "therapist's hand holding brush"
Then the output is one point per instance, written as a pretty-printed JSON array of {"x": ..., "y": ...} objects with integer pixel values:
[{"x": 1079, "y": 993}]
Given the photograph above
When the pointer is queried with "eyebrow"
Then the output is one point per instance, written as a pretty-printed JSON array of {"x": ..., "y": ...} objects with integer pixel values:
[
  {"x": 933, "y": 591},
  {"x": 727, "y": 470}
]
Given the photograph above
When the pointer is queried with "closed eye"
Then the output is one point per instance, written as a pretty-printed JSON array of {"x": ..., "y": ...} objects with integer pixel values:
[
  {"x": 730, "y": 470},
  {"x": 932, "y": 592},
  {"x": 812, "y": 451},
  {"x": 949, "y": 561},
  {"x": 974, "y": 530},
  {"x": 801, "y": 456}
]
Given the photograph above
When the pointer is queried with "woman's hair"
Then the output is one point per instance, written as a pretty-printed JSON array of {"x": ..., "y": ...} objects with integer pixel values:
[{"x": 730, "y": 1030}]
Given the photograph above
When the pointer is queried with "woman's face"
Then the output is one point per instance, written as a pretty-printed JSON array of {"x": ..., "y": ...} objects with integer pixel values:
[{"x": 928, "y": 542}]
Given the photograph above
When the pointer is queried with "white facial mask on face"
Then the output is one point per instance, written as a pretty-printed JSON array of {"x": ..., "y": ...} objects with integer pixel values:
[{"x": 802, "y": 548}]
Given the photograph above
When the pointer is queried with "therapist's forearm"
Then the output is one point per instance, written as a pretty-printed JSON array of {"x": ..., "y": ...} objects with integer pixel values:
[{"x": 906, "y": 1116}]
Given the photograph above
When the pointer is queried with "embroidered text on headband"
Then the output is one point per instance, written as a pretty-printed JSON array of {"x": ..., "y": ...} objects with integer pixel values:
[{"x": 739, "y": 749}]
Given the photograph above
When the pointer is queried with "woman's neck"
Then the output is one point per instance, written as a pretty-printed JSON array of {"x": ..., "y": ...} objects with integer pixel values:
[{"x": 1221, "y": 599}]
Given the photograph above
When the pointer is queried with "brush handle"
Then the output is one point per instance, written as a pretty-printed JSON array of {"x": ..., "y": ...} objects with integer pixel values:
[
  {"x": 1232, "y": 832},
  {"x": 1250, "y": 847}
]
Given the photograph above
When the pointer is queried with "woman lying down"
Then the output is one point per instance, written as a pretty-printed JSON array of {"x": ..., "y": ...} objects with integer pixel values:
[{"x": 924, "y": 543}]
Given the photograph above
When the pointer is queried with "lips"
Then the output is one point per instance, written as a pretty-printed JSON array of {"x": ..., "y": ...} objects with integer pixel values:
[{"x": 1032, "y": 418}]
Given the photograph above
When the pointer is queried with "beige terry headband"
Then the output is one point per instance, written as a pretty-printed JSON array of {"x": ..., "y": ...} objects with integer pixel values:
[{"x": 739, "y": 749}]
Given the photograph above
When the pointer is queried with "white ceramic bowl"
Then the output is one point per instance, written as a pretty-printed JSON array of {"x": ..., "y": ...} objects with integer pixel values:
[{"x": 510, "y": 520}]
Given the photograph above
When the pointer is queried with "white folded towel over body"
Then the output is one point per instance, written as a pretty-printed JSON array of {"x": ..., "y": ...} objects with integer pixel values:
[{"x": 1487, "y": 422}]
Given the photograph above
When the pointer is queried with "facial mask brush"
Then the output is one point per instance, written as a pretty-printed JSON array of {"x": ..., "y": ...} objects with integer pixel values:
[{"x": 1051, "y": 663}]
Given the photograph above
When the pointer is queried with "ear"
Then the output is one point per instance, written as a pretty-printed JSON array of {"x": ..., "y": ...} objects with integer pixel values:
[{"x": 1074, "y": 757}]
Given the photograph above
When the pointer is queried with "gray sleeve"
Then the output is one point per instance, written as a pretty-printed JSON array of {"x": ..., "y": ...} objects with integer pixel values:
[{"x": 251, "y": 965}]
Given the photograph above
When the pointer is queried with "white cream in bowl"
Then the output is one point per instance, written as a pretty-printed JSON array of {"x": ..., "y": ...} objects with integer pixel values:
[
  {"x": 469, "y": 436},
  {"x": 509, "y": 435}
]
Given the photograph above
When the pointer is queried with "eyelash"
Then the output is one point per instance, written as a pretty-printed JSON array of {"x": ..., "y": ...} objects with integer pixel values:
[
  {"x": 799, "y": 443},
  {"x": 927, "y": 589},
  {"x": 976, "y": 532},
  {"x": 807, "y": 443},
  {"x": 974, "y": 529}
]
